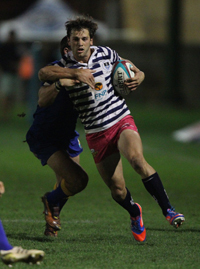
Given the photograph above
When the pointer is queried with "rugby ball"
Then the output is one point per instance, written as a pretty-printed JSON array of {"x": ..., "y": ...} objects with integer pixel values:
[{"x": 121, "y": 71}]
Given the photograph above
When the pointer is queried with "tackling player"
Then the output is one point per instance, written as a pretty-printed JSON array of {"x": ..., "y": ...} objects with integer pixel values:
[{"x": 53, "y": 139}]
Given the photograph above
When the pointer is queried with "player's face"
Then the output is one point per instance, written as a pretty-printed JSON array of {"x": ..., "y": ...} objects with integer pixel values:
[{"x": 80, "y": 43}]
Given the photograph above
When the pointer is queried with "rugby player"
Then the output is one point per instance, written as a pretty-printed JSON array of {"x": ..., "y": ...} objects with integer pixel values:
[
  {"x": 53, "y": 139},
  {"x": 109, "y": 127}
]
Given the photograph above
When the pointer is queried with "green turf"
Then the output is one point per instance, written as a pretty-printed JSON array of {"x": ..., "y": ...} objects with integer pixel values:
[{"x": 95, "y": 230}]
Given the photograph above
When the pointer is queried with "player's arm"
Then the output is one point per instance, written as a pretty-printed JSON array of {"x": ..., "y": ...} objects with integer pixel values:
[
  {"x": 134, "y": 82},
  {"x": 47, "y": 94},
  {"x": 54, "y": 73}
]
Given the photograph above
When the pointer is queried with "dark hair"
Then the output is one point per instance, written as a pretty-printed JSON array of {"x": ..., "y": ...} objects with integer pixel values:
[
  {"x": 64, "y": 44},
  {"x": 81, "y": 23}
]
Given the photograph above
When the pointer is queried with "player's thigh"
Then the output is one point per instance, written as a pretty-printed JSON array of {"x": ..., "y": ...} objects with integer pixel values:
[
  {"x": 130, "y": 144},
  {"x": 111, "y": 171},
  {"x": 65, "y": 167}
]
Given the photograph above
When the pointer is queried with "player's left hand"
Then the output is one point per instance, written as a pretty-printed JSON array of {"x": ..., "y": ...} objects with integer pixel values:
[
  {"x": 133, "y": 83},
  {"x": 2, "y": 189}
]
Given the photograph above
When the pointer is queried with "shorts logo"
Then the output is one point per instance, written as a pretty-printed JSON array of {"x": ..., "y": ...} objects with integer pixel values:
[
  {"x": 98, "y": 86},
  {"x": 79, "y": 143},
  {"x": 94, "y": 153},
  {"x": 126, "y": 125}
]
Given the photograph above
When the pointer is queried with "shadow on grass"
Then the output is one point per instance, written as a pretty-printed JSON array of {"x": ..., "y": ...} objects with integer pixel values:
[
  {"x": 85, "y": 239},
  {"x": 179, "y": 230},
  {"x": 94, "y": 239},
  {"x": 23, "y": 236}
]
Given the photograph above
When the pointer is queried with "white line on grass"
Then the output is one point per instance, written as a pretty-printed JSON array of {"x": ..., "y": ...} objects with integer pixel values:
[{"x": 43, "y": 221}]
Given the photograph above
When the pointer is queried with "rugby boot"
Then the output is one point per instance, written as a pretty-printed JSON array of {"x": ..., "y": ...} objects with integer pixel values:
[
  {"x": 51, "y": 214},
  {"x": 50, "y": 231},
  {"x": 137, "y": 227},
  {"x": 18, "y": 254},
  {"x": 175, "y": 219}
]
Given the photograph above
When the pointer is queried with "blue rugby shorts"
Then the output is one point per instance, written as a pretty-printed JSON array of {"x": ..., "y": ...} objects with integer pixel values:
[{"x": 43, "y": 151}]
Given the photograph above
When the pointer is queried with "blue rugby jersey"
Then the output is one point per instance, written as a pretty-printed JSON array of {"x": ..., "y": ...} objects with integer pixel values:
[
  {"x": 98, "y": 108},
  {"x": 54, "y": 123}
]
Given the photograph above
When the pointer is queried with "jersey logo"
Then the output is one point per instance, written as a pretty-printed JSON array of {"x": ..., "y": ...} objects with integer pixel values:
[
  {"x": 98, "y": 86},
  {"x": 106, "y": 66}
]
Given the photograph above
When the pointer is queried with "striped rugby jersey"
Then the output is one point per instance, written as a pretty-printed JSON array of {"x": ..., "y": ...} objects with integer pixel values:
[{"x": 98, "y": 108}]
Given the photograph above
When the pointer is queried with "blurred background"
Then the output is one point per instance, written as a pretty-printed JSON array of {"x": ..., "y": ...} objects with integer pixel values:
[{"x": 161, "y": 37}]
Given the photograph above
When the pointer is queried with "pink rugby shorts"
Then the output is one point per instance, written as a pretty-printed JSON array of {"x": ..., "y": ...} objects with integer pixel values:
[{"x": 103, "y": 144}]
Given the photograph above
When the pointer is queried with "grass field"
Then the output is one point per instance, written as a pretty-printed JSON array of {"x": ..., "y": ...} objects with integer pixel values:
[{"x": 95, "y": 230}]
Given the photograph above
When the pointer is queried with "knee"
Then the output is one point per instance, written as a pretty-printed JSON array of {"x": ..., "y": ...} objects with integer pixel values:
[
  {"x": 78, "y": 183},
  {"x": 137, "y": 162},
  {"x": 83, "y": 181}
]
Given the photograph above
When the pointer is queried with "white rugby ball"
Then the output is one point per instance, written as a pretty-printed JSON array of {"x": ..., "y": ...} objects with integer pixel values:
[{"x": 121, "y": 72}]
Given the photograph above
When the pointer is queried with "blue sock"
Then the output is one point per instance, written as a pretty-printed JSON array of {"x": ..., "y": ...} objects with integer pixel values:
[
  {"x": 56, "y": 196},
  {"x": 4, "y": 244},
  {"x": 62, "y": 203}
]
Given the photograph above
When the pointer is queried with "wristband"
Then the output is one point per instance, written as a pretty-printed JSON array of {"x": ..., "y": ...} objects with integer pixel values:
[{"x": 58, "y": 86}]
